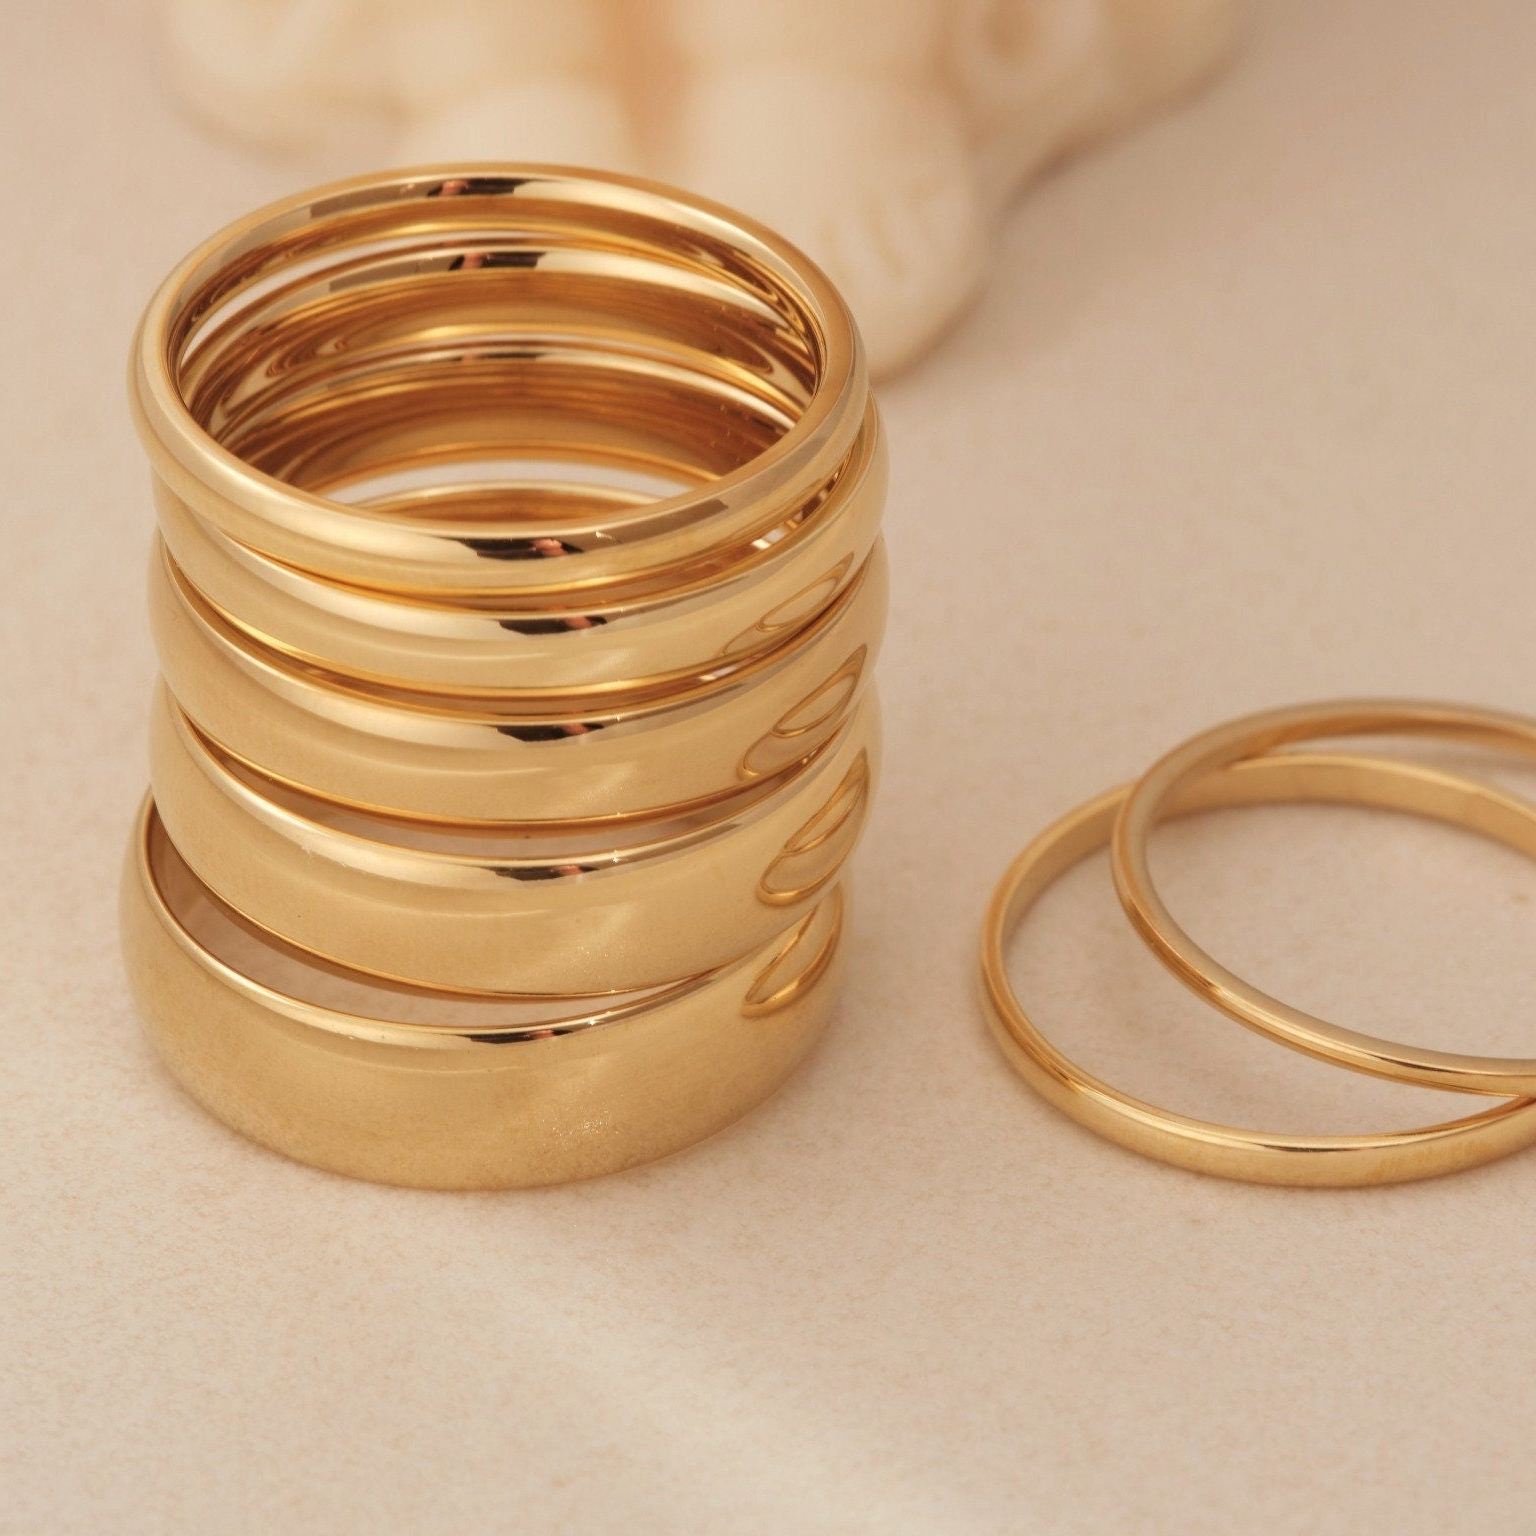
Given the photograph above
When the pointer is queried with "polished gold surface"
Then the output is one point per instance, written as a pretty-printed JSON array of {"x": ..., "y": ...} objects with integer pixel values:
[
  {"x": 466, "y": 908},
  {"x": 490, "y": 760},
  {"x": 517, "y": 599},
  {"x": 410, "y": 1087},
  {"x": 545, "y": 651},
  {"x": 1208, "y": 753},
  {"x": 1259, "y": 1156},
  {"x": 480, "y": 316}
]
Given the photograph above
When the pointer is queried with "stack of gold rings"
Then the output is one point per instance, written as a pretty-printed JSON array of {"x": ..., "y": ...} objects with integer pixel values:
[
  {"x": 517, "y": 590},
  {"x": 1247, "y": 762}
]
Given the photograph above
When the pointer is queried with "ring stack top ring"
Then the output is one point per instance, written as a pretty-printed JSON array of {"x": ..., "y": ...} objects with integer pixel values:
[{"x": 307, "y": 354}]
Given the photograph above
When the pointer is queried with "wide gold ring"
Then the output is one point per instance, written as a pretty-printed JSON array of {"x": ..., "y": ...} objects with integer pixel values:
[
  {"x": 461, "y": 909},
  {"x": 407, "y": 1087},
  {"x": 488, "y": 760}
]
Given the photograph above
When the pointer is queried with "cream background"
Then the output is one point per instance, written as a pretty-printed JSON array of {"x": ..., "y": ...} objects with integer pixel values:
[{"x": 1244, "y": 417}]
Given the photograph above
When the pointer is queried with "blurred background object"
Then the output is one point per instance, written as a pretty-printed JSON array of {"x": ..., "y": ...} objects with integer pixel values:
[{"x": 883, "y": 136}]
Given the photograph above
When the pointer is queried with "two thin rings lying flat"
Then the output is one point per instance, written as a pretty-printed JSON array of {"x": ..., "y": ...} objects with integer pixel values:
[
  {"x": 1261, "y": 1157},
  {"x": 1208, "y": 753},
  {"x": 395, "y": 752},
  {"x": 550, "y": 915}
]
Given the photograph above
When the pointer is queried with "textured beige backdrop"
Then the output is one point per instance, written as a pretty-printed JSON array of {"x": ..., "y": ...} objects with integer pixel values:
[{"x": 1246, "y": 417}]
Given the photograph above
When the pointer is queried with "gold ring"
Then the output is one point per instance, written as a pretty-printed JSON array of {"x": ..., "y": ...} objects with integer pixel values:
[
  {"x": 407, "y": 1087},
  {"x": 593, "y": 650},
  {"x": 438, "y": 906},
  {"x": 297, "y": 360},
  {"x": 1211, "y": 980},
  {"x": 1262, "y": 1157},
  {"x": 401, "y": 753}
]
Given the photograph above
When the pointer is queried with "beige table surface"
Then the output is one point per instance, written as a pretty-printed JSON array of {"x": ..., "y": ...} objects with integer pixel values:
[{"x": 1245, "y": 417}]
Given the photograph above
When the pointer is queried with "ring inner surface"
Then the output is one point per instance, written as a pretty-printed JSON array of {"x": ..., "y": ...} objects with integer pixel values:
[{"x": 515, "y": 364}]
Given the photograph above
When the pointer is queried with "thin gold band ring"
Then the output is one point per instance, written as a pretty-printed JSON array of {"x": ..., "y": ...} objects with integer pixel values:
[{"x": 1215, "y": 983}]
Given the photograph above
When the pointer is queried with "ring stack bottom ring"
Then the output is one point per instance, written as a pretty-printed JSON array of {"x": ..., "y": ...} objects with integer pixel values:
[{"x": 517, "y": 592}]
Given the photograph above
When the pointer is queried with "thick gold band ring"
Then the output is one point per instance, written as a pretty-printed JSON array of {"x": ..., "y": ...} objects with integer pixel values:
[
  {"x": 1206, "y": 754},
  {"x": 594, "y": 650},
  {"x": 295, "y": 362},
  {"x": 406, "y": 1087},
  {"x": 395, "y": 752},
  {"x": 1261, "y": 1157},
  {"x": 488, "y": 912}
]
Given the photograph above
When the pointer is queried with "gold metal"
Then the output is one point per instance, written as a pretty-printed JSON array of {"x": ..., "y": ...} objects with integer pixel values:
[
  {"x": 541, "y": 653},
  {"x": 1261, "y": 1157},
  {"x": 470, "y": 909},
  {"x": 404, "y": 753},
  {"x": 1479, "y": 808},
  {"x": 519, "y": 591},
  {"x": 407, "y": 1087},
  {"x": 532, "y": 314}
]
